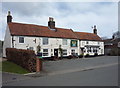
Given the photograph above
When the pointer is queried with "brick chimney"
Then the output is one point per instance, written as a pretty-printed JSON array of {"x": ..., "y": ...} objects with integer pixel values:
[
  {"x": 9, "y": 17},
  {"x": 51, "y": 23},
  {"x": 94, "y": 30}
]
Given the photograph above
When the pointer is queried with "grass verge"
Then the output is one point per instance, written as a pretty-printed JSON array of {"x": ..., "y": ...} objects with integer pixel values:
[{"x": 8, "y": 66}]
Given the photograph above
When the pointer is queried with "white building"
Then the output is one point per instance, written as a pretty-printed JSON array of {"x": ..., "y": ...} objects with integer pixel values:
[
  {"x": 50, "y": 39},
  {"x": 90, "y": 43}
]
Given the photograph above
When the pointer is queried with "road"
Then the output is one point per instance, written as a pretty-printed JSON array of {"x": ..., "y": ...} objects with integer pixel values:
[
  {"x": 104, "y": 76},
  {"x": 98, "y": 71},
  {"x": 65, "y": 64}
]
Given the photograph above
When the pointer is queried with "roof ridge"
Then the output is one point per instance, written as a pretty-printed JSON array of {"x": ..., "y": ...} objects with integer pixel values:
[
  {"x": 85, "y": 32},
  {"x": 26, "y": 24},
  {"x": 38, "y": 25}
]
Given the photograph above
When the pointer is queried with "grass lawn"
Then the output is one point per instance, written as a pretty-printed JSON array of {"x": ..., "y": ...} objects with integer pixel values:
[{"x": 8, "y": 66}]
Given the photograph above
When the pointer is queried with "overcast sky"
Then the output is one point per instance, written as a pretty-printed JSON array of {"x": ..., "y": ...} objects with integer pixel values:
[{"x": 79, "y": 16}]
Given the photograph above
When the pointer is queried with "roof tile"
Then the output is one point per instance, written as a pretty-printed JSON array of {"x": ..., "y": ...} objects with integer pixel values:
[
  {"x": 87, "y": 36},
  {"x": 21, "y": 29}
]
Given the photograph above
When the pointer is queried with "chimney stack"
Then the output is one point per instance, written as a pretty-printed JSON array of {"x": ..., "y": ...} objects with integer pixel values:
[
  {"x": 9, "y": 17},
  {"x": 113, "y": 37},
  {"x": 51, "y": 23},
  {"x": 94, "y": 30}
]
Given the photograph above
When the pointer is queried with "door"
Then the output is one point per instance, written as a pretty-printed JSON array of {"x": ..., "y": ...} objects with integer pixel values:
[{"x": 56, "y": 52}]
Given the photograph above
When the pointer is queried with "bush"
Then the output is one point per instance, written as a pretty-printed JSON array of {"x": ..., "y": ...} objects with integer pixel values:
[
  {"x": 87, "y": 55},
  {"x": 80, "y": 56},
  {"x": 96, "y": 54},
  {"x": 24, "y": 58},
  {"x": 70, "y": 57}
]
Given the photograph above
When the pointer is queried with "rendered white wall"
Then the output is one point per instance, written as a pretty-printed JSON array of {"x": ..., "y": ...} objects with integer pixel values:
[
  {"x": 53, "y": 43},
  {"x": 93, "y": 43},
  {"x": 7, "y": 41}
]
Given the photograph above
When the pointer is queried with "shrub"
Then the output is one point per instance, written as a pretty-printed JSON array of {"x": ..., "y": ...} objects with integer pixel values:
[
  {"x": 87, "y": 55},
  {"x": 80, "y": 56},
  {"x": 70, "y": 56},
  {"x": 24, "y": 58},
  {"x": 96, "y": 54}
]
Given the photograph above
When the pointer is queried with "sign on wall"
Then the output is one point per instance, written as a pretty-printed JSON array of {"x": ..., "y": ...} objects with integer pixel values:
[{"x": 73, "y": 43}]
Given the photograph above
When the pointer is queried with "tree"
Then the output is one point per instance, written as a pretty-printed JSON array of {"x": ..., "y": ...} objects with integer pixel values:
[
  {"x": 38, "y": 49},
  {"x": 116, "y": 34},
  {"x": 61, "y": 51}
]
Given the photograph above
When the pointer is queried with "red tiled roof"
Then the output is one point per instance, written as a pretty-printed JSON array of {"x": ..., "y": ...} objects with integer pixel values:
[
  {"x": 87, "y": 36},
  {"x": 20, "y": 29},
  {"x": 35, "y": 30}
]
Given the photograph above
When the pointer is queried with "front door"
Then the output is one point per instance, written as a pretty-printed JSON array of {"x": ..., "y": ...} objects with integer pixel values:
[
  {"x": 56, "y": 52},
  {"x": 82, "y": 50}
]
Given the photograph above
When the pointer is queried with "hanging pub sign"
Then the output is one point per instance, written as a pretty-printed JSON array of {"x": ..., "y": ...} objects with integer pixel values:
[{"x": 73, "y": 43}]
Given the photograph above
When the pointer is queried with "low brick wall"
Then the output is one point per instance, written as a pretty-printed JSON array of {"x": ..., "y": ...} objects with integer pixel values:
[{"x": 25, "y": 58}]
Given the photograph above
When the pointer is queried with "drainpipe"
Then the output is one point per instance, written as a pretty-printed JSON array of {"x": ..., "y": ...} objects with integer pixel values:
[{"x": 13, "y": 41}]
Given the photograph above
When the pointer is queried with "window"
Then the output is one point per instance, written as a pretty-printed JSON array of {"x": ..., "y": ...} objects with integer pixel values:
[
  {"x": 95, "y": 50},
  {"x": 64, "y": 52},
  {"x": 73, "y": 52},
  {"x": 45, "y": 52},
  {"x": 45, "y": 41},
  {"x": 51, "y": 50},
  {"x": 87, "y": 42},
  {"x": 21, "y": 39},
  {"x": 83, "y": 43},
  {"x": 84, "y": 50},
  {"x": 90, "y": 49},
  {"x": 98, "y": 43},
  {"x": 64, "y": 41},
  {"x": 101, "y": 51}
]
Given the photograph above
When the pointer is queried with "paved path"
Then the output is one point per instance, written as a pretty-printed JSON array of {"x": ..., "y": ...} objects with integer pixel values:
[{"x": 2, "y": 59}]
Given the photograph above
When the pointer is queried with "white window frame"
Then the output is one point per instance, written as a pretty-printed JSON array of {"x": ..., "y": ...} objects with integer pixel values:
[
  {"x": 64, "y": 52},
  {"x": 45, "y": 52},
  {"x": 87, "y": 42},
  {"x": 98, "y": 43},
  {"x": 64, "y": 41},
  {"x": 83, "y": 43},
  {"x": 43, "y": 41},
  {"x": 72, "y": 51},
  {"x": 23, "y": 40}
]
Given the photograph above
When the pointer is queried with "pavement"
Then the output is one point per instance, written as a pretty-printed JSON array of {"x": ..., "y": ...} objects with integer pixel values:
[
  {"x": 2, "y": 59},
  {"x": 12, "y": 77},
  {"x": 65, "y": 66}
]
